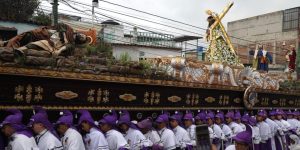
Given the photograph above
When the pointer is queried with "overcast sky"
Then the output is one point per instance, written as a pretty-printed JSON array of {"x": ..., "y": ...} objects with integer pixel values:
[{"x": 190, "y": 11}]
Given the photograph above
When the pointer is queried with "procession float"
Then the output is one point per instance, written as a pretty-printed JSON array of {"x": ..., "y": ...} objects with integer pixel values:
[{"x": 60, "y": 68}]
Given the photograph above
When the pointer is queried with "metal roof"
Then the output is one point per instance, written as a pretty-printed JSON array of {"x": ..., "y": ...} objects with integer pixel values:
[
  {"x": 110, "y": 22},
  {"x": 186, "y": 38}
]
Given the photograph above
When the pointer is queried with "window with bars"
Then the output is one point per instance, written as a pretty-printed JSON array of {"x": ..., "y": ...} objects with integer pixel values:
[{"x": 291, "y": 19}]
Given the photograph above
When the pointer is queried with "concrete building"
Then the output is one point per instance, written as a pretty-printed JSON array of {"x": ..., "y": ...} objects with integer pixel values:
[
  {"x": 141, "y": 45},
  {"x": 276, "y": 30}
]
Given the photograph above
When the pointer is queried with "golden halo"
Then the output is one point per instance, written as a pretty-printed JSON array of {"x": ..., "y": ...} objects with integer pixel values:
[
  {"x": 208, "y": 12},
  {"x": 91, "y": 39}
]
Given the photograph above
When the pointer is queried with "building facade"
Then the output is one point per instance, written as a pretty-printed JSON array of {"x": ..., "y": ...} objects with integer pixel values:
[
  {"x": 276, "y": 31},
  {"x": 138, "y": 45}
]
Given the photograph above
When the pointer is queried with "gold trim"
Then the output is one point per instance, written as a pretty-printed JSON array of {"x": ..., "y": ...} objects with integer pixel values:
[
  {"x": 35, "y": 72},
  {"x": 66, "y": 95},
  {"x": 210, "y": 99},
  {"x": 51, "y": 107},
  {"x": 246, "y": 102},
  {"x": 291, "y": 102},
  {"x": 174, "y": 99},
  {"x": 237, "y": 100},
  {"x": 275, "y": 102},
  {"x": 94, "y": 77},
  {"x": 284, "y": 108},
  {"x": 127, "y": 97}
]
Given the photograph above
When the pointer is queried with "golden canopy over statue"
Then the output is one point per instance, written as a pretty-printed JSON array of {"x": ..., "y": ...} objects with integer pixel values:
[{"x": 220, "y": 49}]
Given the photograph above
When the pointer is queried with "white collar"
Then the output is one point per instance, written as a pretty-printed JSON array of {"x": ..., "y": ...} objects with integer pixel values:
[
  {"x": 14, "y": 135},
  {"x": 42, "y": 133},
  {"x": 162, "y": 130},
  {"x": 176, "y": 128},
  {"x": 129, "y": 130},
  {"x": 93, "y": 129},
  {"x": 68, "y": 131}
]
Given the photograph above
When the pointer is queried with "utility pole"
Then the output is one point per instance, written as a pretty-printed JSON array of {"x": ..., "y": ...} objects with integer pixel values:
[
  {"x": 95, "y": 4},
  {"x": 54, "y": 18}
]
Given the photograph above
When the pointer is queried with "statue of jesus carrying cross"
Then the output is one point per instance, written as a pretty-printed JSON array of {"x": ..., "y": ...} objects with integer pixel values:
[{"x": 220, "y": 49}]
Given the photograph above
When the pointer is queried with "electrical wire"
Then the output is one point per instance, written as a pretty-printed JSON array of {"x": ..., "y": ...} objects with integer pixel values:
[
  {"x": 204, "y": 29},
  {"x": 153, "y": 15},
  {"x": 138, "y": 18},
  {"x": 133, "y": 24},
  {"x": 182, "y": 30}
]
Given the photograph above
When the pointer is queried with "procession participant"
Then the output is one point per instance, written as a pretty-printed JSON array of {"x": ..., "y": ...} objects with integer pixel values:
[
  {"x": 70, "y": 138},
  {"x": 255, "y": 133},
  {"x": 200, "y": 118},
  {"x": 285, "y": 127},
  {"x": 265, "y": 131},
  {"x": 93, "y": 139},
  {"x": 115, "y": 139},
  {"x": 20, "y": 138},
  {"x": 166, "y": 135},
  {"x": 188, "y": 120},
  {"x": 183, "y": 141},
  {"x": 243, "y": 140},
  {"x": 134, "y": 137},
  {"x": 146, "y": 128},
  {"x": 237, "y": 119},
  {"x": 295, "y": 143},
  {"x": 269, "y": 143},
  {"x": 295, "y": 124},
  {"x": 227, "y": 137},
  {"x": 245, "y": 118},
  {"x": 272, "y": 115},
  {"x": 236, "y": 128},
  {"x": 296, "y": 114},
  {"x": 218, "y": 133},
  {"x": 45, "y": 135},
  {"x": 275, "y": 130}
]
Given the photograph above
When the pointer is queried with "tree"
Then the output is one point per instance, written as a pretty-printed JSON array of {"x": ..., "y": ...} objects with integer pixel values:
[
  {"x": 18, "y": 10},
  {"x": 41, "y": 18}
]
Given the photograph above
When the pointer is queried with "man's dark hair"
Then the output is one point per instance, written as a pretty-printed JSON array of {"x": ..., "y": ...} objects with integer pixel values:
[{"x": 210, "y": 20}]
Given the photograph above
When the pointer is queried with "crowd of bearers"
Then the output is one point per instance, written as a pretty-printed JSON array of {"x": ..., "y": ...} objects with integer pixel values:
[{"x": 260, "y": 130}]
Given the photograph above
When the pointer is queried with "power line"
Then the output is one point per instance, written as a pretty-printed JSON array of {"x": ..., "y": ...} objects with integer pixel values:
[
  {"x": 152, "y": 14},
  {"x": 103, "y": 20},
  {"x": 188, "y": 44},
  {"x": 136, "y": 18},
  {"x": 139, "y": 18},
  {"x": 180, "y": 22},
  {"x": 130, "y": 24},
  {"x": 158, "y": 23},
  {"x": 99, "y": 18}
]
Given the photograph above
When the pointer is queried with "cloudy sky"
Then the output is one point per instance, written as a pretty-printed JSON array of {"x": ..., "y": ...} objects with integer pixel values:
[{"x": 188, "y": 11}]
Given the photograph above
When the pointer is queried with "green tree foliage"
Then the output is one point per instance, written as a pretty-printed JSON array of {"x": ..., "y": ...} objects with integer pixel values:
[
  {"x": 17, "y": 10},
  {"x": 41, "y": 18},
  {"x": 100, "y": 48},
  {"x": 125, "y": 58}
]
